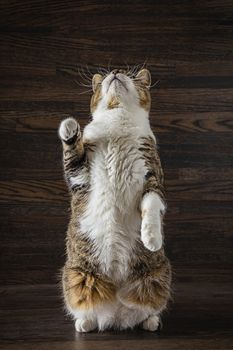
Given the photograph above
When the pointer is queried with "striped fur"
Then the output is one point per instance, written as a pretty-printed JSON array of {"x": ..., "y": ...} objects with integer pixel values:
[{"x": 116, "y": 272}]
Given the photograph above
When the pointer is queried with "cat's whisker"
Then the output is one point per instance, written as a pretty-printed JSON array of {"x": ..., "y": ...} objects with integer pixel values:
[
  {"x": 85, "y": 72},
  {"x": 135, "y": 69},
  {"x": 109, "y": 64},
  {"x": 83, "y": 76},
  {"x": 130, "y": 72},
  {"x": 85, "y": 92},
  {"x": 106, "y": 72},
  {"x": 139, "y": 67},
  {"x": 89, "y": 78},
  {"x": 89, "y": 73},
  {"x": 153, "y": 85},
  {"x": 128, "y": 68},
  {"x": 108, "y": 165},
  {"x": 83, "y": 84},
  {"x": 102, "y": 72}
]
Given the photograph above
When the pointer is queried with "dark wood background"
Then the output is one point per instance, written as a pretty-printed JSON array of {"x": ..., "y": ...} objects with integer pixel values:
[{"x": 188, "y": 46}]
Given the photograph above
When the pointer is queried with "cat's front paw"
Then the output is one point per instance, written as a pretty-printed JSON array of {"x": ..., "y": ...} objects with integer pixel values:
[
  {"x": 69, "y": 129},
  {"x": 151, "y": 235}
]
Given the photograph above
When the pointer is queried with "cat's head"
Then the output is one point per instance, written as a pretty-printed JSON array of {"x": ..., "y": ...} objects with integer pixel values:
[{"x": 121, "y": 89}]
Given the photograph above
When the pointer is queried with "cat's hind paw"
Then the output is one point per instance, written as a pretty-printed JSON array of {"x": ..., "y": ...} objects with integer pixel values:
[
  {"x": 83, "y": 326},
  {"x": 151, "y": 324},
  {"x": 69, "y": 129}
]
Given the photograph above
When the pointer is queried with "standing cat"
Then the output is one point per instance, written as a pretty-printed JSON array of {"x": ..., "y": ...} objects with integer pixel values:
[{"x": 116, "y": 273}]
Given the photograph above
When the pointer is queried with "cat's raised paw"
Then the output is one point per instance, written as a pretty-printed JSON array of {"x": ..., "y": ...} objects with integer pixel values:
[
  {"x": 83, "y": 326},
  {"x": 68, "y": 129},
  {"x": 151, "y": 236},
  {"x": 151, "y": 324}
]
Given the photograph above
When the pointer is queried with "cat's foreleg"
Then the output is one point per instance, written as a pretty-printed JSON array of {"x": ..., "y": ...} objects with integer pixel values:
[
  {"x": 74, "y": 157},
  {"x": 152, "y": 209}
]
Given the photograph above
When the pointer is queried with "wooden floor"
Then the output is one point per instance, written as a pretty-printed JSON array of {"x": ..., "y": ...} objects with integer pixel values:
[
  {"x": 45, "y": 48},
  {"x": 199, "y": 318}
]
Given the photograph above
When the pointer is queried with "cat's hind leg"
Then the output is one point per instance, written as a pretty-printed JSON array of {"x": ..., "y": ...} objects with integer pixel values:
[
  {"x": 129, "y": 317},
  {"x": 85, "y": 325},
  {"x": 151, "y": 323},
  {"x": 148, "y": 292},
  {"x": 84, "y": 294}
]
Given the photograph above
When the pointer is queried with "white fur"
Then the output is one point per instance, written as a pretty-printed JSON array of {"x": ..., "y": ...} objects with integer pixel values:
[
  {"x": 115, "y": 315},
  {"x": 151, "y": 323},
  {"x": 85, "y": 325},
  {"x": 112, "y": 219},
  {"x": 81, "y": 179},
  {"x": 68, "y": 128},
  {"x": 152, "y": 207}
]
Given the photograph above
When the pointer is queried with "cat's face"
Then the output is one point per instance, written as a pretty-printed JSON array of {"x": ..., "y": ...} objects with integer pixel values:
[{"x": 119, "y": 89}]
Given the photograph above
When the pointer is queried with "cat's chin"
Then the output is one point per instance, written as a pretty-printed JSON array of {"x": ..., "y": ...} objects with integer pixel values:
[{"x": 116, "y": 85}]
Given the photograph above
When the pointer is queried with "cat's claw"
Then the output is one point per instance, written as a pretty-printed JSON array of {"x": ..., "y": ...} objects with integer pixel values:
[{"x": 68, "y": 129}]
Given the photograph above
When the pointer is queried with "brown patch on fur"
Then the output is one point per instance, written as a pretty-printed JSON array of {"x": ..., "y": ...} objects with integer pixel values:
[
  {"x": 144, "y": 97},
  {"x": 84, "y": 291},
  {"x": 142, "y": 84},
  {"x": 84, "y": 286},
  {"x": 96, "y": 81},
  {"x": 96, "y": 97},
  {"x": 154, "y": 176},
  {"x": 113, "y": 102},
  {"x": 78, "y": 147},
  {"x": 149, "y": 285}
]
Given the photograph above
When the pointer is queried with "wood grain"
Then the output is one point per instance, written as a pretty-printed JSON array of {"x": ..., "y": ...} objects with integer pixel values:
[
  {"x": 46, "y": 47},
  {"x": 192, "y": 303}
]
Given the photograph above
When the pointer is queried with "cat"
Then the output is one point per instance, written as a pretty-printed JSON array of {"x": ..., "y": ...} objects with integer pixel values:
[{"x": 116, "y": 273}]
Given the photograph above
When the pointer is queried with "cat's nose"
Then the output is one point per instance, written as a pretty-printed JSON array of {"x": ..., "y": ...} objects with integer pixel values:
[{"x": 115, "y": 71}]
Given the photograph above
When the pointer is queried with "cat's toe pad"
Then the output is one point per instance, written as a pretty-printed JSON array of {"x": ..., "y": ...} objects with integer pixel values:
[
  {"x": 68, "y": 129},
  {"x": 151, "y": 236},
  {"x": 151, "y": 324},
  {"x": 84, "y": 325}
]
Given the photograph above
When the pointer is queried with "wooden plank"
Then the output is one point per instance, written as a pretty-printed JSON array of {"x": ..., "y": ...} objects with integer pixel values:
[
  {"x": 56, "y": 191},
  {"x": 164, "y": 100},
  {"x": 45, "y": 47},
  {"x": 210, "y": 301},
  {"x": 160, "y": 344},
  {"x": 41, "y": 121},
  {"x": 177, "y": 150}
]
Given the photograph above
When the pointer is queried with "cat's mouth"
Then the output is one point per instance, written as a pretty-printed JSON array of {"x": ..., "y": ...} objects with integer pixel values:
[{"x": 116, "y": 79}]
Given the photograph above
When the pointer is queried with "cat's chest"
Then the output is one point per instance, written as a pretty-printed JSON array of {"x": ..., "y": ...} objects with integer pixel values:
[
  {"x": 117, "y": 165},
  {"x": 112, "y": 218}
]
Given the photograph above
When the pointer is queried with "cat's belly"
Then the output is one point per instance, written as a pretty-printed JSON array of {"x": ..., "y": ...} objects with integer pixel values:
[{"x": 112, "y": 218}]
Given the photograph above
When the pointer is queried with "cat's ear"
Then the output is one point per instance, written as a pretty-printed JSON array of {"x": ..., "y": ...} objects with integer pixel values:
[
  {"x": 144, "y": 77},
  {"x": 96, "y": 80}
]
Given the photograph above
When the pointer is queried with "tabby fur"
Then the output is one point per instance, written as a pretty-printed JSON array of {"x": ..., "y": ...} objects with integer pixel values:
[{"x": 116, "y": 272}]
